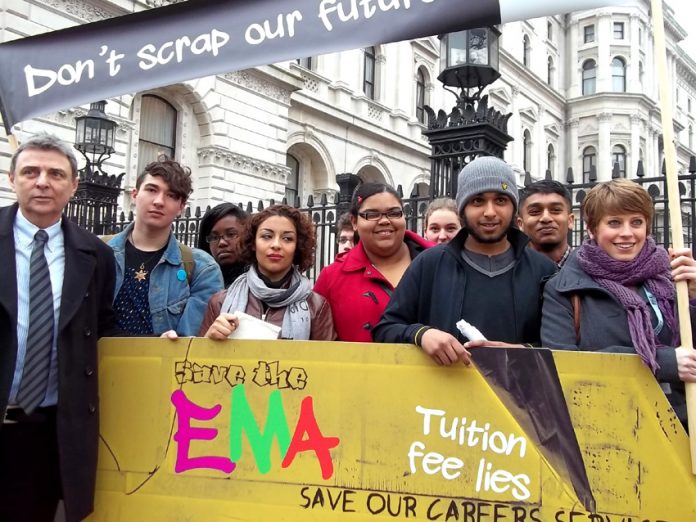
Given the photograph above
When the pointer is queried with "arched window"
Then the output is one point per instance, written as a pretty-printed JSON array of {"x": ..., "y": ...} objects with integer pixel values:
[
  {"x": 550, "y": 71},
  {"x": 158, "y": 120},
  {"x": 369, "y": 64},
  {"x": 589, "y": 160},
  {"x": 527, "y": 151},
  {"x": 618, "y": 155},
  {"x": 526, "y": 51},
  {"x": 551, "y": 160},
  {"x": 292, "y": 187},
  {"x": 420, "y": 95},
  {"x": 589, "y": 77},
  {"x": 618, "y": 75}
]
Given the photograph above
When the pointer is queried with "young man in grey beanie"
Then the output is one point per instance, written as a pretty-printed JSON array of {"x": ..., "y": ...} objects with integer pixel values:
[{"x": 485, "y": 275}]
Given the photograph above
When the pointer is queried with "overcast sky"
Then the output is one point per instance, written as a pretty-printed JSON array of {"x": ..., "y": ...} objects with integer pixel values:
[{"x": 685, "y": 11}]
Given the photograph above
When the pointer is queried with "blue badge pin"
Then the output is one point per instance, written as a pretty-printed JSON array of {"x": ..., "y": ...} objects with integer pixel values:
[{"x": 181, "y": 275}]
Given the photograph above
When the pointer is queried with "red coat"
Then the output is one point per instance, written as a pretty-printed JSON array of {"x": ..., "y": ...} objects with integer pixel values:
[{"x": 357, "y": 292}]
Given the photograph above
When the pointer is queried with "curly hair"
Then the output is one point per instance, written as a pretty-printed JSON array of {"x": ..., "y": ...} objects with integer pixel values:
[{"x": 306, "y": 242}]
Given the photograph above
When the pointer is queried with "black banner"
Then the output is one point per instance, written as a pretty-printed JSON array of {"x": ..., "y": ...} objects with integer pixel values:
[{"x": 163, "y": 46}]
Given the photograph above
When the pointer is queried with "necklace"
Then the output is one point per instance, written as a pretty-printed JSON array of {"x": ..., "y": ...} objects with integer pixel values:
[{"x": 144, "y": 269}]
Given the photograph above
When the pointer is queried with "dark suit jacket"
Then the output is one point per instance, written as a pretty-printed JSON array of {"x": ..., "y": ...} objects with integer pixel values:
[{"x": 85, "y": 316}]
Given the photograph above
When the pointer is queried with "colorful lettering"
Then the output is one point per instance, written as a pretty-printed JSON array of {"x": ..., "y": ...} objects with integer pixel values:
[
  {"x": 185, "y": 411},
  {"x": 307, "y": 423}
]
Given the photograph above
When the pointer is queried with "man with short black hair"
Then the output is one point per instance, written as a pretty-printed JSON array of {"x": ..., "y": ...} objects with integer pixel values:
[
  {"x": 156, "y": 292},
  {"x": 546, "y": 216},
  {"x": 55, "y": 303},
  {"x": 485, "y": 275}
]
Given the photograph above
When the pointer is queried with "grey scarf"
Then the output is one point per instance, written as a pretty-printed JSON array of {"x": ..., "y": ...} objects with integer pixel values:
[{"x": 296, "y": 319}]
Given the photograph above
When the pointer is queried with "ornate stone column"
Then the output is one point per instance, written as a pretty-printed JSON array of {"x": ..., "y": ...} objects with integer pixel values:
[
  {"x": 632, "y": 166},
  {"x": 604, "y": 37},
  {"x": 573, "y": 153},
  {"x": 604, "y": 147}
]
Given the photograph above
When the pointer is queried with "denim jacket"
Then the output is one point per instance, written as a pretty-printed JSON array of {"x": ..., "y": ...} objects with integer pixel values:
[{"x": 173, "y": 304}]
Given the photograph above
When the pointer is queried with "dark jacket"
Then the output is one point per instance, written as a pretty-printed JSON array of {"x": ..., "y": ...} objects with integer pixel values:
[
  {"x": 603, "y": 324},
  {"x": 85, "y": 316},
  {"x": 432, "y": 291},
  {"x": 357, "y": 292},
  {"x": 322, "y": 327}
]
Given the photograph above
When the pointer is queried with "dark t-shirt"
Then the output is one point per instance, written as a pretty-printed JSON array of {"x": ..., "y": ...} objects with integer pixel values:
[
  {"x": 132, "y": 304},
  {"x": 489, "y": 285}
]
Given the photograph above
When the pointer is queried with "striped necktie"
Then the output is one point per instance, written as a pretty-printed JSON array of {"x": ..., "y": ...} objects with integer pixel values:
[{"x": 37, "y": 361}]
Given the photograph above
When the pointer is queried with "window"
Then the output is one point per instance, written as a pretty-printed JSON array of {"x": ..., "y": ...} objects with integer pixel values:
[
  {"x": 293, "y": 183},
  {"x": 641, "y": 73},
  {"x": 549, "y": 30},
  {"x": 618, "y": 75},
  {"x": 550, "y": 159},
  {"x": 527, "y": 151},
  {"x": 589, "y": 77},
  {"x": 618, "y": 156},
  {"x": 526, "y": 51},
  {"x": 618, "y": 30},
  {"x": 691, "y": 137},
  {"x": 369, "y": 72},
  {"x": 550, "y": 70},
  {"x": 688, "y": 105},
  {"x": 640, "y": 36},
  {"x": 589, "y": 35},
  {"x": 305, "y": 62},
  {"x": 157, "y": 130},
  {"x": 420, "y": 95},
  {"x": 589, "y": 160}
]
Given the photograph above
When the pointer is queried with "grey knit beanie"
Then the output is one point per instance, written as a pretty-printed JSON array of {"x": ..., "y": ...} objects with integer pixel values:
[{"x": 486, "y": 174}]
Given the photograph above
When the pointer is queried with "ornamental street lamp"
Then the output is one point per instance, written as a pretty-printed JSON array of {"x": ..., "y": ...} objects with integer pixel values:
[
  {"x": 95, "y": 203},
  {"x": 469, "y": 62},
  {"x": 94, "y": 136},
  {"x": 470, "y": 58}
]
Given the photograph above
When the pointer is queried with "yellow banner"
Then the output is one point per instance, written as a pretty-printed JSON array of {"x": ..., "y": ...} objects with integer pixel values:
[{"x": 285, "y": 430}]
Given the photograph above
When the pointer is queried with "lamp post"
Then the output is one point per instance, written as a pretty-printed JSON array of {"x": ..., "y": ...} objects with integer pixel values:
[
  {"x": 469, "y": 62},
  {"x": 95, "y": 203},
  {"x": 94, "y": 137}
]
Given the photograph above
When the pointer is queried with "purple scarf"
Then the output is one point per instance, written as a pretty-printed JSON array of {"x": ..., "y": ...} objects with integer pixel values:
[{"x": 651, "y": 268}]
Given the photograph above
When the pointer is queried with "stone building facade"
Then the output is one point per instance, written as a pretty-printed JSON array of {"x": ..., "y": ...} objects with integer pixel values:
[{"x": 581, "y": 89}]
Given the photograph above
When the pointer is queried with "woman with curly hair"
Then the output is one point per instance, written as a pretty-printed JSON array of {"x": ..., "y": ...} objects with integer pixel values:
[{"x": 278, "y": 244}]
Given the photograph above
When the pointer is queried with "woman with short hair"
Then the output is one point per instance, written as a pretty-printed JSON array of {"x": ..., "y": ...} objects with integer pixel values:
[
  {"x": 218, "y": 233},
  {"x": 616, "y": 292}
]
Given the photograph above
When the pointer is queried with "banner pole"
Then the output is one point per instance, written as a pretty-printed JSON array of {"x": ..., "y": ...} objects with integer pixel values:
[{"x": 675, "y": 220}]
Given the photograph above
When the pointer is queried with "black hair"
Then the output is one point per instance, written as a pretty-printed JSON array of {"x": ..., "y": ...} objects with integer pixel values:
[
  {"x": 212, "y": 216},
  {"x": 365, "y": 190},
  {"x": 546, "y": 186}
]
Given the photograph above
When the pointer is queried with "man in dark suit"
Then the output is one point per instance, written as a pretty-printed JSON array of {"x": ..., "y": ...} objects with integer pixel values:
[{"x": 48, "y": 380}]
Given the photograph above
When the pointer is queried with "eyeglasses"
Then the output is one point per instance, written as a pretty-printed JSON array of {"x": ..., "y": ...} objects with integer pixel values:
[
  {"x": 227, "y": 236},
  {"x": 376, "y": 215}
]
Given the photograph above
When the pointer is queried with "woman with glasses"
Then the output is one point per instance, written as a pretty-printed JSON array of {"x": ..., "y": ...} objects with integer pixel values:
[
  {"x": 358, "y": 285},
  {"x": 278, "y": 245},
  {"x": 218, "y": 233}
]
